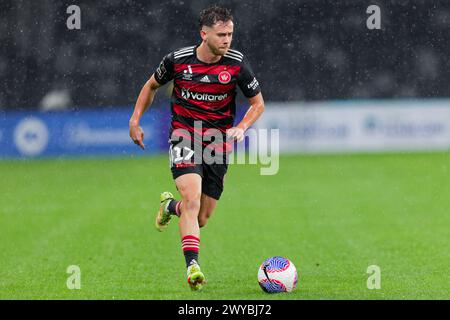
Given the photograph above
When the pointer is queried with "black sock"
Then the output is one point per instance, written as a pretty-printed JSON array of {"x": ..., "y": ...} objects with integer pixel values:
[
  {"x": 172, "y": 207},
  {"x": 189, "y": 256},
  {"x": 190, "y": 245}
]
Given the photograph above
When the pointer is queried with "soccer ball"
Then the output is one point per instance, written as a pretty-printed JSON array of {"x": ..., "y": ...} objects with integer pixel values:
[{"x": 277, "y": 274}]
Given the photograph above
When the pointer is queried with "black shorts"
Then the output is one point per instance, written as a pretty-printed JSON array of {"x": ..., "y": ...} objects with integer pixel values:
[{"x": 183, "y": 160}]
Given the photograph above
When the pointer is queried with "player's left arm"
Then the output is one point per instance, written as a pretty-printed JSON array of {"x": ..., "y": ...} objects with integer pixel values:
[
  {"x": 249, "y": 85},
  {"x": 252, "y": 114}
]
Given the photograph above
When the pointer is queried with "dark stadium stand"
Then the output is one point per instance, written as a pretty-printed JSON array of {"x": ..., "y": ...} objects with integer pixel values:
[{"x": 300, "y": 50}]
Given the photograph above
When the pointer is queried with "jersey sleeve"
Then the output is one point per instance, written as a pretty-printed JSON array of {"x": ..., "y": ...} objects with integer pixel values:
[
  {"x": 165, "y": 71},
  {"x": 247, "y": 81}
]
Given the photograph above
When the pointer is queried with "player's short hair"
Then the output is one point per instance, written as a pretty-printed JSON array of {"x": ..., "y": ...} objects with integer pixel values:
[{"x": 214, "y": 14}]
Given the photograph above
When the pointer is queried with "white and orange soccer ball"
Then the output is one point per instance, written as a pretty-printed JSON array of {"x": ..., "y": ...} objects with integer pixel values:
[{"x": 277, "y": 274}]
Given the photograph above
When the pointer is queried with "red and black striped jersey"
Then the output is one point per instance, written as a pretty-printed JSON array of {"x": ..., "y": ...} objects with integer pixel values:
[{"x": 205, "y": 92}]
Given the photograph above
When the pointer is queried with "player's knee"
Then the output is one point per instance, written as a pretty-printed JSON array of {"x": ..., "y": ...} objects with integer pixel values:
[{"x": 191, "y": 205}]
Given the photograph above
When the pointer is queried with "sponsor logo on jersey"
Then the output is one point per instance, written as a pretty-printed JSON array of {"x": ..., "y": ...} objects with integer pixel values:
[
  {"x": 205, "y": 79},
  {"x": 254, "y": 84},
  {"x": 202, "y": 96},
  {"x": 224, "y": 77},
  {"x": 161, "y": 70}
]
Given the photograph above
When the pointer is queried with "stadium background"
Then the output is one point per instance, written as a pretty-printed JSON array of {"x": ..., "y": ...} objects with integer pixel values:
[{"x": 364, "y": 120}]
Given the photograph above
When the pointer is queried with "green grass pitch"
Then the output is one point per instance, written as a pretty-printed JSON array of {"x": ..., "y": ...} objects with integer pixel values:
[{"x": 332, "y": 215}]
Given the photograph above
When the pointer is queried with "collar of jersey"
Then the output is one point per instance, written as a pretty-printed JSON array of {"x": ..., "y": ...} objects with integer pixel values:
[{"x": 205, "y": 63}]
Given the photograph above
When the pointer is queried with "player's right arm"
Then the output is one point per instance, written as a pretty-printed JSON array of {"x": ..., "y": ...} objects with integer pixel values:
[
  {"x": 144, "y": 100},
  {"x": 163, "y": 74}
]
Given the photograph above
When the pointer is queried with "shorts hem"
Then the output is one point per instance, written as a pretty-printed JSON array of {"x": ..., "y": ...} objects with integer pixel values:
[
  {"x": 179, "y": 173},
  {"x": 213, "y": 195}
]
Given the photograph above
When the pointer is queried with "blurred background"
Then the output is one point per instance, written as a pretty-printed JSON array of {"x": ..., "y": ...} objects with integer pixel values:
[
  {"x": 303, "y": 53},
  {"x": 363, "y": 118},
  {"x": 300, "y": 50}
]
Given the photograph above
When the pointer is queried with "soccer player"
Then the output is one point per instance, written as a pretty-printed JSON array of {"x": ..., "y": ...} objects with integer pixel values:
[{"x": 203, "y": 107}]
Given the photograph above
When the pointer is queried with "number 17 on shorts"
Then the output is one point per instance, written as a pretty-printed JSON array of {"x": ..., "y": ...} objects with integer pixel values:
[{"x": 181, "y": 156}]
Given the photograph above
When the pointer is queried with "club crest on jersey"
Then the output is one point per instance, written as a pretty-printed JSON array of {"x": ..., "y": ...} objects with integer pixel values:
[{"x": 224, "y": 77}]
